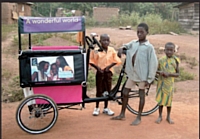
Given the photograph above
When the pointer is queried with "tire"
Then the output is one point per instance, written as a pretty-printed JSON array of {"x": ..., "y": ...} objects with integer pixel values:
[
  {"x": 150, "y": 103},
  {"x": 36, "y": 114}
]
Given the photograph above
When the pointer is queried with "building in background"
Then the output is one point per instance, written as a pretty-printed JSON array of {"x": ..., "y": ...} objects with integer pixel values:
[
  {"x": 10, "y": 11},
  {"x": 63, "y": 12},
  {"x": 189, "y": 15},
  {"x": 103, "y": 14}
]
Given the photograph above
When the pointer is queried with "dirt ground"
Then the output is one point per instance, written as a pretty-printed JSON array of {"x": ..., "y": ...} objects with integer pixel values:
[{"x": 76, "y": 124}]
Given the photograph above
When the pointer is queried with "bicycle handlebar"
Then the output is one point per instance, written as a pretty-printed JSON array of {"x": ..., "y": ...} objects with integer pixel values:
[{"x": 92, "y": 42}]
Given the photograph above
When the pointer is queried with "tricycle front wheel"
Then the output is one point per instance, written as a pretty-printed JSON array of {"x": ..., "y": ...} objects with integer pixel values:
[{"x": 36, "y": 114}]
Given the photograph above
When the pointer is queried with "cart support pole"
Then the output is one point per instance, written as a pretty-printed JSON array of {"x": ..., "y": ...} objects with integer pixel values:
[
  {"x": 19, "y": 37},
  {"x": 29, "y": 40}
]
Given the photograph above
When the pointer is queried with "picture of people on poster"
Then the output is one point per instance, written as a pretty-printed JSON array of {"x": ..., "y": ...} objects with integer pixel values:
[
  {"x": 52, "y": 68},
  {"x": 65, "y": 72}
]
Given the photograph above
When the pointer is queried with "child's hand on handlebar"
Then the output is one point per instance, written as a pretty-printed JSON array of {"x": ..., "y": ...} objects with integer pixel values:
[
  {"x": 146, "y": 84},
  {"x": 120, "y": 51}
]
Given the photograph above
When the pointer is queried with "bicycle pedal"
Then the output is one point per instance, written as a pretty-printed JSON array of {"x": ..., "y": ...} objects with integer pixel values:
[
  {"x": 119, "y": 102},
  {"x": 105, "y": 93}
]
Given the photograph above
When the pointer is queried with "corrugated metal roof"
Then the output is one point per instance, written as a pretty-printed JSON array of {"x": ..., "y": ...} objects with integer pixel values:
[
  {"x": 182, "y": 4},
  {"x": 30, "y": 3}
]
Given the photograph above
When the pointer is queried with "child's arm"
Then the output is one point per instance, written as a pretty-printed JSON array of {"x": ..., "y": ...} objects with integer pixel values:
[
  {"x": 121, "y": 51},
  {"x": 34, "y": 76},
  {"x": 110, "y": 66},
  {"x": 165, "y": 74},
  {"x": 96, "y": 67},
  {"x": 159, "y": 72}
]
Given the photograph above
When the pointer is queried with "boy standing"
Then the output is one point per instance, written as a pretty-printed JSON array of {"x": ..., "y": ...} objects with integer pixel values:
[
  {"x": 103, "y": 62},
  {"x": 141, "y": 67}
]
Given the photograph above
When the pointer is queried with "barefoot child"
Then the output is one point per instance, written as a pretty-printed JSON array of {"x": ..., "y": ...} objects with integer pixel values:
[
  {"x": 168, "y": 69},
  {"x": 141, "y": 67},
  {"x": 103, "y": 62}
]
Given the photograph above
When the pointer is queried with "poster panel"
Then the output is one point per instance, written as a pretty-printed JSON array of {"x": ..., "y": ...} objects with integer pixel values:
[{"x": 52, "y": 68}]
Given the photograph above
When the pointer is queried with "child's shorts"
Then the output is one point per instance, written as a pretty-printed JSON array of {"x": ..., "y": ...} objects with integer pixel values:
[{"x": 131, "y": 84}]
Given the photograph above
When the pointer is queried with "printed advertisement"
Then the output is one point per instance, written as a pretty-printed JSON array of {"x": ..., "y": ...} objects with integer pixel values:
[{"x": 53, "y": 68}]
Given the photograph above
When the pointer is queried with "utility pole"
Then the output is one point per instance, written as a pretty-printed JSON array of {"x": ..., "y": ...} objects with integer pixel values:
[{"x": 50, "y": 9}]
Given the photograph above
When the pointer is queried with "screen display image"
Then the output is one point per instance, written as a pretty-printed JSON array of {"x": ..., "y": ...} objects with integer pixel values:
[{"x": 52, "y": 68}]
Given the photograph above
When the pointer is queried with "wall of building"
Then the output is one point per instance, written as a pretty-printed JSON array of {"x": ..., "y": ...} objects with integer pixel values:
[
  {"x": 103, "y": 14},
  {"x": 8, "y": 8},
  {"x": 6, "y": 13},
  {"x": 189, "y": 16},
  {"x": 27, "y": 9},
  {"x": 196, "y": 17}
]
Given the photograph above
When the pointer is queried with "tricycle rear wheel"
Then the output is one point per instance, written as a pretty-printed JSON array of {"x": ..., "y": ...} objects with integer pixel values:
[
  {"x": 150, "y": 103},
  {"x": 36, "y": 114}
]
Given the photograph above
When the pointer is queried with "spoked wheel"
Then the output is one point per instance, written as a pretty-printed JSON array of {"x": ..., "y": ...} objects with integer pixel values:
[
  {"x": 36, "y": 114},
  {"x": 150, "y": 102}
]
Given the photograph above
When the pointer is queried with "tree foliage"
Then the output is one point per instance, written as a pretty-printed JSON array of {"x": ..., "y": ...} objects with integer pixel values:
[{"x": 164, "y": 9}]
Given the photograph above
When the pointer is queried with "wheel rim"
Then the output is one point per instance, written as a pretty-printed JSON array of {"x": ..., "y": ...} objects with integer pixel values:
[
  {"x": 41, "y": 118},
  {"x": 150, "y": 102}
]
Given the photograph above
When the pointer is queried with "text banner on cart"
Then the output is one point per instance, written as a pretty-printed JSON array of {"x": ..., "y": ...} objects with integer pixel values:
[{"x": 51, "y": 24}]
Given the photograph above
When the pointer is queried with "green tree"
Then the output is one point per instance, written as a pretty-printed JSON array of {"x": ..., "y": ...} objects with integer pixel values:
[{"x": 166, "y": 9}]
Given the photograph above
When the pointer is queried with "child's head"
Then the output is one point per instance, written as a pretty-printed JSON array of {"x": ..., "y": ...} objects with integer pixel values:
[
  {"x": 54, "y": 69},
  {"x": 61, "y": 62},
  {"x": 43, "y": 66},
  {"x": 142, "y": 31},
  {"x": 104, "y": 40},
  {"x": 169, "y": 49}
]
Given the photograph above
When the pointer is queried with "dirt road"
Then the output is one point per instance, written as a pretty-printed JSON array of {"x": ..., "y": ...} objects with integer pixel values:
[{"x": 76, "y": 124}]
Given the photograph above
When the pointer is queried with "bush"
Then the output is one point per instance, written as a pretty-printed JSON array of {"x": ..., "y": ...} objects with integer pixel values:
[
  {"x": 15, "y": 93},
  {"x": 155, "y": 22},
  {"x": 91, "y": 83},
  {"x": 159, "y": 26},
  {"x": 36, "y": 39},
  {"x": 90, "y": 22},
  {"x": 5, "y": 29},
  {"x": 182, "y": 56},
  {"x": 184, "y": 75},
  {"x": 125, "y": 20},
  {"x": 69, "y": 36},
  {"x": 192, "y": 62}
]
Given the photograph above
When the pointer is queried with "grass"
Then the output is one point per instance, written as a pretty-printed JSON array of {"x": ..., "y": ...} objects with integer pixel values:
[
  {"x": 6, "y": 29},
  {"x": 91, "y": 83},
  {"x": 184, "y": 75},
  {"x": 69, "y": 36},
  {"x": 192, "y": 62},
  {"x": 182, "y": 56},
  {"x": 157, "y": 25},
  {"x": 36, "y": 39},
  {"x": 92, "y": 79},
  {"x": 15, "y": 93}
]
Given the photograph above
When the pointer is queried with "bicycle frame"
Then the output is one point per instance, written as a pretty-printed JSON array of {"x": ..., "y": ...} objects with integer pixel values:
[{"x": 115, "y": 90}]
